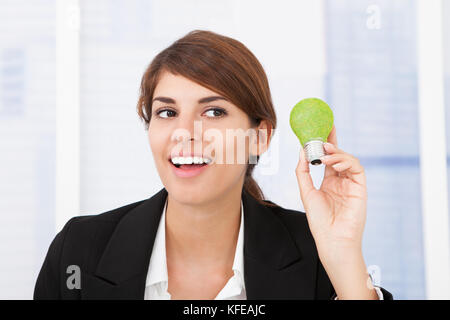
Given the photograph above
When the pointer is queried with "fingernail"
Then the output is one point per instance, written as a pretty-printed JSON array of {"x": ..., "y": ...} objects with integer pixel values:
[
  {"x": 336, "y": 165},
  {"x": 324, "y": 158},
  {"x": 327, "y": 144}
]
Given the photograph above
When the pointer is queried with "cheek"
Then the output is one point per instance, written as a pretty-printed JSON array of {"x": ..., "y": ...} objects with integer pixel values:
[
  {"x": 233, "y": 148},
  {"x": 157, "y": 141},
  {"x": 151, "y": 140},
  {"x": 236, "y": 148}
]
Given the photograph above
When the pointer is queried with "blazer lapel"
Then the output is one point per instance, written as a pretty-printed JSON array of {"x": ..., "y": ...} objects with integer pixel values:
[
  {"x": 274, "y": 267},
  {"x": 122, "y": 269},
  {"x": 273, "y": 264}
]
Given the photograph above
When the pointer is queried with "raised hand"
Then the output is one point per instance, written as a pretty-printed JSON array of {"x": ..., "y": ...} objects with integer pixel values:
[
  {"x": 336, "y": 216},
  {"x": 336, "y": 212}
]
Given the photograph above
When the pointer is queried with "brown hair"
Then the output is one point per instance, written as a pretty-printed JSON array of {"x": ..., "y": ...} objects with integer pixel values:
[{"x": 223, "y": 65}]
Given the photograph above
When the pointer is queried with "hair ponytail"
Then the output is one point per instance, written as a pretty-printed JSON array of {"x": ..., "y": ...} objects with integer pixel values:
[{"x": 252, "y": 187}]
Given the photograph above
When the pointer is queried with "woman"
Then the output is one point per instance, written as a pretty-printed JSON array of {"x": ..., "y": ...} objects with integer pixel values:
[{"x": 209, "y": 233}]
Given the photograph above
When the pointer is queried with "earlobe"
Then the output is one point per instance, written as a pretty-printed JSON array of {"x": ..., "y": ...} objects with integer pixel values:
[
  {"x": 260, "y": 139},
  {"x": 257, "y": 148},
  {"x": 254, "y": 144},
  {"x": 253, "y": 159}
]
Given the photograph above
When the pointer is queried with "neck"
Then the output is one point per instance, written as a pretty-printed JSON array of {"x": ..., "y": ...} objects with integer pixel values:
[{"x": 204, "y": 234}]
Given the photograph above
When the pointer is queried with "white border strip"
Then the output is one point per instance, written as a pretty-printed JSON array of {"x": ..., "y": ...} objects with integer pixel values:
[
  {"x": 433, "y": 148},
  {"x": 67, "y": 184}
]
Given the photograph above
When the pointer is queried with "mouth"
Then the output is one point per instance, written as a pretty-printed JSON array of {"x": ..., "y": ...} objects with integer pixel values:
[
  {"x": 181, "y": 162},
  {"x": 189, "y": 166}
]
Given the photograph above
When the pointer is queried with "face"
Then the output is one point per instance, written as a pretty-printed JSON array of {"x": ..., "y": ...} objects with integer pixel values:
[{"x": 190, "y": 120}]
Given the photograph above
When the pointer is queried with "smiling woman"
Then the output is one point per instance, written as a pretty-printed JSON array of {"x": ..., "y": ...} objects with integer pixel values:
[
  {"x": 209, "y": 233},
  {"x": 226, "y": 73}
]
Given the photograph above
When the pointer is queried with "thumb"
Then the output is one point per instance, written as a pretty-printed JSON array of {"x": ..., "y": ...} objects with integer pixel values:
[{"x": 304, "y": 179}]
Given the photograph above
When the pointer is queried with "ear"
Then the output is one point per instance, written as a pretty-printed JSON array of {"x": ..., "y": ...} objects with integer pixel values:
[{"x": 260, "y": 139}]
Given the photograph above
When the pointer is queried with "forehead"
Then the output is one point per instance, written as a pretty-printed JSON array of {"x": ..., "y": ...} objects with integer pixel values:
[{"x": 178, "y": 86}]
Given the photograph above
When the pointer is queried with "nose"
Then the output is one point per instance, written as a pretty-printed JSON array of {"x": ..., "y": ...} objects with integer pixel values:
[
  {"x": 188, "y": 128},
  {"x": 187, "y": 136}
]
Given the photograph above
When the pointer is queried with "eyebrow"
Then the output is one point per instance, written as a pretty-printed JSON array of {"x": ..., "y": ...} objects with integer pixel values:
[{"x": 202, "y": 100}]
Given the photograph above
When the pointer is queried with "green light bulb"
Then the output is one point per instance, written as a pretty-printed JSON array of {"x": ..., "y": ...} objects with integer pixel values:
[{"x": 312, "y": 120}]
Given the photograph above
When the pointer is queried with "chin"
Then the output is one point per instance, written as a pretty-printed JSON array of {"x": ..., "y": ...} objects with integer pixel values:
[{"x": 191, "y": 196}]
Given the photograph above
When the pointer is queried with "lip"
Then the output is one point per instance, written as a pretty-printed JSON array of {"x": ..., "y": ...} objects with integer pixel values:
[
  {"x": 187, "y": 173},
  {"x": 184, "y": 154}
]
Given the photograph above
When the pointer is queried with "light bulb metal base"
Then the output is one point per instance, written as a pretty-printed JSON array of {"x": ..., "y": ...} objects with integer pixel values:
[{"x": 314, "y": 151}]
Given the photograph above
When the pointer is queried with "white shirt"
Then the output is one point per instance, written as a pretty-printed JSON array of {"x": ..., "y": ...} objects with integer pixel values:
[{"x": 157, "y": 277}]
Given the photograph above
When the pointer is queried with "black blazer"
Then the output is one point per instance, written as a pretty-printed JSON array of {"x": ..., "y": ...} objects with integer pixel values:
[{"x": 113, "y": 252}]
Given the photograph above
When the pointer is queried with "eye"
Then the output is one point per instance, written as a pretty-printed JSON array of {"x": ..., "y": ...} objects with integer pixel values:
[
  {"x": 216, "y": 112},
  {"x": 166, "y": 113}
]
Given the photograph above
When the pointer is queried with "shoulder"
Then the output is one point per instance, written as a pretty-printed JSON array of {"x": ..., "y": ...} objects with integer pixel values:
[
  {"x": 295, "y": 219},
  {"x": 95, "y": 227},
  {"x": 78, "y": 243},
  {"x": 84, "y": 237},
  {"x": 296, "y": 223},
  {"x": 112, "y": 216}
]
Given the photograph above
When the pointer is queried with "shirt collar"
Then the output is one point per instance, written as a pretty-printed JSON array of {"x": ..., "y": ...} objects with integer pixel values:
[{"x": 157, "y": 271}]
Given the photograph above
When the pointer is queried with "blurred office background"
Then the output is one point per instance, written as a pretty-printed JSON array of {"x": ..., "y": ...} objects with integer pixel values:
[{"x": 71, "y": 142}]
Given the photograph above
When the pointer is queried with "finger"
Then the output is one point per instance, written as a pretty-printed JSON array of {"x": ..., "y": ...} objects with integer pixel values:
[
  {"x": 304, "y": 179},
  {"x": 331, "y": 159},
  {"x": 352, "y": 168},
  {"x": 330, "y": 149}
]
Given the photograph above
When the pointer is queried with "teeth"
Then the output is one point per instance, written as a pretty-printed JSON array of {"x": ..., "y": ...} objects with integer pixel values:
[{"x": 190, "y": 160}]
